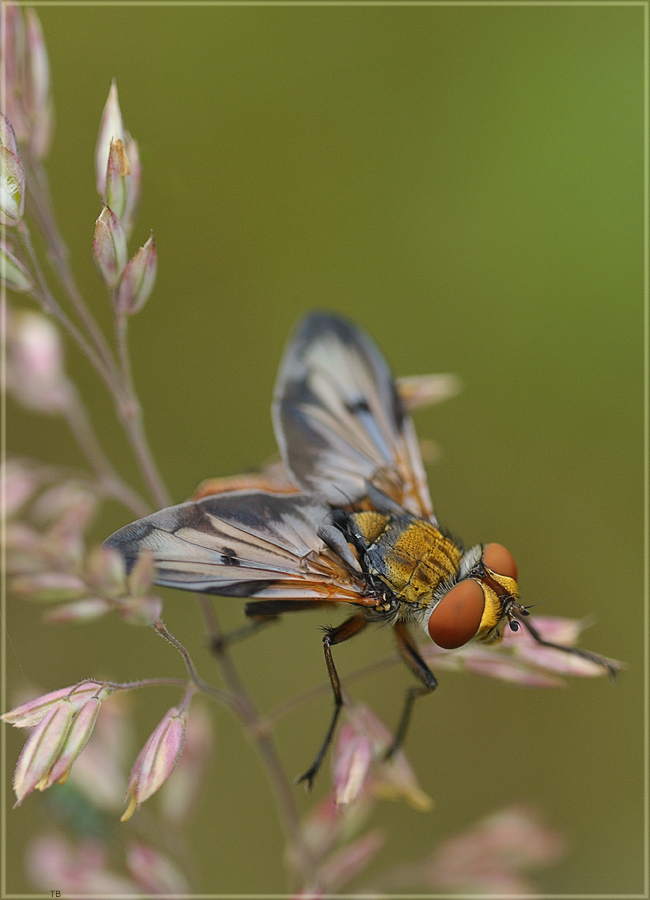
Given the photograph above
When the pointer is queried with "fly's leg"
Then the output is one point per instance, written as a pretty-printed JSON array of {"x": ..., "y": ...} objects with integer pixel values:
[
  {"x": 422, "y": 672},
  {"x": 612, "y": 666},
  {"x": 609, "y": 664},
  {"x": 333, "y": 636}
]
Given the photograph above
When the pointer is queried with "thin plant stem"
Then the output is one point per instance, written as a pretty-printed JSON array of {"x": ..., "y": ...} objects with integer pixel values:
[
  {"x": 133, "y": 685},
  {"x": 97, "y": 351},
  {"x": 131, "y": 415},
  {"x": 121, "y": 390},
  {"x": 50, "y": 305},
  {"x": 81, "y": 427},
  {"x": 191, "y": 668},
  {"x": 256, "y": 726},
  {"x": 41, "y": 201}
]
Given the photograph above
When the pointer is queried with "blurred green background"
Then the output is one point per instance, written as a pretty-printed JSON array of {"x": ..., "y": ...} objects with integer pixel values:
[{"x": 466, "y": 183}]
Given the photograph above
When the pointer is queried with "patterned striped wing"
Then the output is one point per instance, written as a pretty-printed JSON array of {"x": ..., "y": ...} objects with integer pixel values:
[
  {"x": 339, "y": 420},
  {"x": 246, "y": 544}
]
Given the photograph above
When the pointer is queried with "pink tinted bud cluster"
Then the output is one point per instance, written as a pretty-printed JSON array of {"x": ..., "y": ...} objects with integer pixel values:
[
  {"x": 47, "y": 560},
  {"x": 361, "y": 766},
  {"x": 338, "y": 854},
  {"x": 154, "y": 872},
  {"x": 119, "y": 176},
  {"x": 489, "y": 857},
  {"x": 64, "y": 721},
  {"x": 157, "y": 760},
  {"x": 83, "y": 869},
  {"x": 117, "y": 164},
  {"x": 27, "y": 78},
  {"x": 361, "y": 774},
  {"x": 519, "y": 659}
]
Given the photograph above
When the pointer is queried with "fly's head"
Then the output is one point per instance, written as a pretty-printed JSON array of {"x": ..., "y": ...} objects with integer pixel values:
[{"x": 479, "y": 603}]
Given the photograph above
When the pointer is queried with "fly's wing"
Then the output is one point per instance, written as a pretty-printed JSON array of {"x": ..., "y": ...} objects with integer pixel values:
[
  {"x": 339, "y": 420},
  {"x": 246, "y": 544}
]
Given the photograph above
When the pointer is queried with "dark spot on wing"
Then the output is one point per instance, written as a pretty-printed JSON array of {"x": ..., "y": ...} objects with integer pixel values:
[
  {"x": 229, "y": 557},
  {"x": 358, "y": 406}
]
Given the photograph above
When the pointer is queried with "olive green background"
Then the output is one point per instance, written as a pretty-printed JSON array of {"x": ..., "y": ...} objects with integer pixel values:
[{"x": 467, "y": 184}]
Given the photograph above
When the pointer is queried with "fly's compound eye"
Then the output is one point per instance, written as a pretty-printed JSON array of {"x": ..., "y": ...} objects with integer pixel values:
[
  {"x": 500, "y": 560},
  {"x": 457, "y": 617}
]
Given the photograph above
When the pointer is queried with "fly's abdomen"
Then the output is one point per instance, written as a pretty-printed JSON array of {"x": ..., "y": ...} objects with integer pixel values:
[{"x": 408, "y": 554}]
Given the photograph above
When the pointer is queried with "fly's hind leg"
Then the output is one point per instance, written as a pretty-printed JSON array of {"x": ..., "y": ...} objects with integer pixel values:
[
  {"x": 411, "y": 656},
  {"x": 333, "y": 636}
]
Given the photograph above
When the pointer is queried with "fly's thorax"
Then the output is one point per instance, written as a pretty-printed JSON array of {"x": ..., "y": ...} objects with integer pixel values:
[
  {"x": 410, "y": 555},
  {"x": 477, "y": 604}
]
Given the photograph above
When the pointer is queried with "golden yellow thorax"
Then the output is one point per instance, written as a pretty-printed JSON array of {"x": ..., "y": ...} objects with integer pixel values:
[{"x": 410, "y": 555}]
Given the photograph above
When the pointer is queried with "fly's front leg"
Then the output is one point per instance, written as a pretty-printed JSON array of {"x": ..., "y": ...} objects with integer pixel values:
[
  {"x": 609, "y": 664},
  {"x": 333, "y": 636},
  {"x": 411, "y": 656}
]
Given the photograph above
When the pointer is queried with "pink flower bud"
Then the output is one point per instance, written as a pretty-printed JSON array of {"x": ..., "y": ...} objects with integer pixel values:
[
  {"x": 141, "y": 610},
  {"x": 109, "y": 247},
  {"x": 79, "y": 612},
  {"x": 559, "y": 629},
  {"x": 488, "y": 857},
  {"x": 35, "y": 376},
  {"x": 48, "y": 587},
  {"x": 138, "y": 280},
  {"x": 37, "y": 100},
  {"x": 155, "y": 873},
  {"x": 133, "y": 186},
  {"x": 156, "y": 760},
  {"x": 393, "y": 778},
  {"x": 7, "y": 135},
  {"x": 142, "y": 574},
  {"x": 78, "y": 736},
  {"x": 110, "y": 129},
  {"x": 105, "y": 571},
  {"x": 34, "y": 711},
  {"x": 180, "y": 795},
  {"x": 535, "y": 657},
  {"x": 20, "y": 482},
  {"x": 79, "y": 869},
  {"x": 68, "y": 504},
  {"x": 117, "y": 173},
  {"x": 348, "y": 862},
  {"x": 12, "y": 187},
  {"x": 491, "y": 664},
  {"x": 418, "y": 391},
  {"x": 352, "y": 759},
  {"x": 41, "y": 749}
]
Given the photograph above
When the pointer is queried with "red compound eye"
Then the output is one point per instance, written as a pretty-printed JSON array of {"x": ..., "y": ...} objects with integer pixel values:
[
  {"x": 456, "y": 619},
  {"x": 500, "y": 560}
]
